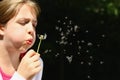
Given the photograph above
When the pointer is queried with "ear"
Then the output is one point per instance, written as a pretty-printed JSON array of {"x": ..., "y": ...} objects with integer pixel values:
[{"x": 1, "y": 30}]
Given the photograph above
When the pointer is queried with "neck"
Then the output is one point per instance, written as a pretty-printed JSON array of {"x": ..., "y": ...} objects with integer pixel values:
[{"x": 8, "y": 57}]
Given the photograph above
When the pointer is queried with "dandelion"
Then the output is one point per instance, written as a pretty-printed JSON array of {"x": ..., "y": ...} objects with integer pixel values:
[{"x": 41, "y": 37}]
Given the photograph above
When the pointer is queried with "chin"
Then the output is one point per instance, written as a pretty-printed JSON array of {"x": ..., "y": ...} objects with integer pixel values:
[{"x": 23, "y": 49}]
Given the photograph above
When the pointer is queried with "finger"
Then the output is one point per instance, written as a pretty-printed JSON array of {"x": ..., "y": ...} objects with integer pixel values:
[
  {"x": 36, "y": 57},
  {"x": 34, "y": 65},
  {"x": 38, "y": 53},
  {"x": 37, "y": 64},
  {"x": 36, "y": 70},
  {"x": 30, "y": 53}
]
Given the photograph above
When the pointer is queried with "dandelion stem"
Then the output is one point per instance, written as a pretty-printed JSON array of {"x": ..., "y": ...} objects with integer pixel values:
[{"x": 39, "y": 45}]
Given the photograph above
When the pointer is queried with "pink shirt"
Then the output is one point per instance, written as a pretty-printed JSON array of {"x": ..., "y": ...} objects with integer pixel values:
[{"x": 4, "y": 75}]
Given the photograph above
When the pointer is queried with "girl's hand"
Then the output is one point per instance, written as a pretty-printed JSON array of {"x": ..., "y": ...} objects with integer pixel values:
[{"x": 29, "y": 65}]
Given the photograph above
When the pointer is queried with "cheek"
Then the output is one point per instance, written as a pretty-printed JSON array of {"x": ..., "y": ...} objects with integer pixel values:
[
  {"x": 15, "y": 35},
  {"x": 34, "y": 39},
  {"x": 19, "y": 34}
]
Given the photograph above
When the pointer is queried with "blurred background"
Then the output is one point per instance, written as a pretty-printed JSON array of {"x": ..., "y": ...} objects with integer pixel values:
[{"x": 83, "y": 39}]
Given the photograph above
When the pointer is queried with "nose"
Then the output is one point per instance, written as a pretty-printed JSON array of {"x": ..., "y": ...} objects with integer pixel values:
[
  {"x": 30, "y": 29},
  {"x": 30, "y": 32}
]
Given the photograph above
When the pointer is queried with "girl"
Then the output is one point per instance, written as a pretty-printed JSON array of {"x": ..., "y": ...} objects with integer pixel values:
[{"x": 18, "y": 19}]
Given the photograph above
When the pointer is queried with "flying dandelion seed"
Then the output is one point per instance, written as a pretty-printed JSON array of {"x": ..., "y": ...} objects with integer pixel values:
[
  {"x": 69, "y": 58},
  {"x": 74, "y": 45}
]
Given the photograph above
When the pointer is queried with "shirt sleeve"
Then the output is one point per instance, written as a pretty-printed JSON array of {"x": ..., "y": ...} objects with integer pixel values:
[
  {"x": 17, "y": 76},
  {"x": 39, "y": 75}
]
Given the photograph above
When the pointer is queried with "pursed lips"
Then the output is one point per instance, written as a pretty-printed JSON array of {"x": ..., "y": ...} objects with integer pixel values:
[{"x": 29, "y": 41}]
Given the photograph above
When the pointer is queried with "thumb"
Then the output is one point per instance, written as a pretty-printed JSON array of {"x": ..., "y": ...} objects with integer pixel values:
[{"x": 30, "y": 53}]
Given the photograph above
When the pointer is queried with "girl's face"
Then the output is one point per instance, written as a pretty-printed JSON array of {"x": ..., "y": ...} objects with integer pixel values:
[{"x": 19, "y": 32}]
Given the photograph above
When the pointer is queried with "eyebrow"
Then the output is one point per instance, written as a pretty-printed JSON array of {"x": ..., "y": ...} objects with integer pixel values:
[{"x": 35, "y": 20}]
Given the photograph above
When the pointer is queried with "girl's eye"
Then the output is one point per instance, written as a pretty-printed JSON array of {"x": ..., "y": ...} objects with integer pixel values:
[
  {"x": 23, "y": 22},
  {"x": 26, "y": 21},
  {"x": 34, "y": 25}
]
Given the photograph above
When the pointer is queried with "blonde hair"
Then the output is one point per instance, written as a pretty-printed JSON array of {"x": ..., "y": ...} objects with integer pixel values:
[{"x": 9, "y": 8}]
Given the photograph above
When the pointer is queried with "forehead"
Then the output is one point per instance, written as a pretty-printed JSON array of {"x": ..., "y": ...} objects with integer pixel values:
[{"x": 26, "y": 12}]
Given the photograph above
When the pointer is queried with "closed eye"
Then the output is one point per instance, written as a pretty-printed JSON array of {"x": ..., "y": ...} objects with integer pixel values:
[
  {"x": 23, "y": 22},
  {"x": 34, "y": 24},
  {"x": 26, "y": 21}
]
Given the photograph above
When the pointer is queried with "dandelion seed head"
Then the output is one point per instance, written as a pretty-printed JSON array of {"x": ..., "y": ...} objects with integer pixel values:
[{"x": 41, "y": 37}]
